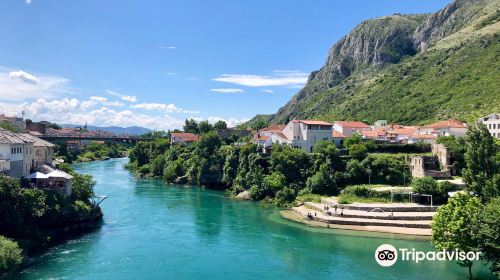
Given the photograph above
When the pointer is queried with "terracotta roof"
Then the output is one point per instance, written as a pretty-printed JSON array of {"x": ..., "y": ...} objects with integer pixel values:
[
  {"x": 352, "y": 124},
  {"x": 445, "y": 124},
  {"x": 313, "y": 122},
  {"x": 336, "y": 134},
  {"x": 185, "y": 136},
  {"x": 263, "y": 137},
  {"x": 273, "y": 127},
  {"x": 373, "y": 133},
  {"x": 281, "y": 135}
]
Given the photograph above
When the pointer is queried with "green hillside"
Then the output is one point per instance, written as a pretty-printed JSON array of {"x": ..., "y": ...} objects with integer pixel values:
[{"x": 409, "y": 69}]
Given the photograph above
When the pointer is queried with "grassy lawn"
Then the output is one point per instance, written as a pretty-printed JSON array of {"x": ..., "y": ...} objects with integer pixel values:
[{"x": 349, "y": 198}]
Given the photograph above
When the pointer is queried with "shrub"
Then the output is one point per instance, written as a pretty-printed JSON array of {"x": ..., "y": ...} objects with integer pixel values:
[
  {"x": 284, "y": 196},
  {"x": 10, "y": 255}
]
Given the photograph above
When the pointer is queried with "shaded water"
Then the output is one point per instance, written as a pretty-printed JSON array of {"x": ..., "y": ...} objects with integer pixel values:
[{"x": 156, "y": 231}]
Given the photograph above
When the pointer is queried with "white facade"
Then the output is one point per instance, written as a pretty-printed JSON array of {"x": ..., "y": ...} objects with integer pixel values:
[
  {"x": 348, "y": 128},
  {"x": 492, "y": 123},
  {"x": 304, "y": 134}
]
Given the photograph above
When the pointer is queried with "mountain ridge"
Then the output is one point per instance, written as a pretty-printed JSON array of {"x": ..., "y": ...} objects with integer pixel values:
[{"x": 374, "y": 62}]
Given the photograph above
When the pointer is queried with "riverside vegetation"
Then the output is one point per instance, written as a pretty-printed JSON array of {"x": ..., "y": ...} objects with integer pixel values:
[
  {"x": 288, "y": 174},
  {"x": 31, "y": 218}
]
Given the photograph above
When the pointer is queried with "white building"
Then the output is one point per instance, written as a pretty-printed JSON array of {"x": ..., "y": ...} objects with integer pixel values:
[
  {"x": 348, "y": 128},
  {"x": 43, "y": 151},
  {"x": 445, "y": 128},
  {"x": 16, "y": 154},
  {"x": 492, "y": 122},
  {"x": 305, "y": 133}
]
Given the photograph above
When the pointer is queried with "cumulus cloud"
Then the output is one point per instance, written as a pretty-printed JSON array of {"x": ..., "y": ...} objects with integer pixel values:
[
  {"x": 279, "y": 78},
  {"x": 128, "y": 98},
  {"x": 18, "y": 85},
  {"x": 170, "y": 108},
  {"x": 95, "y": 101},
  {"x": 227, "y": 90}
]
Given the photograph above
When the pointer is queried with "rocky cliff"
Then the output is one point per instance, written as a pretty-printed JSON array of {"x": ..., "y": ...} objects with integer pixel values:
[{"x": 384, "y": 45}]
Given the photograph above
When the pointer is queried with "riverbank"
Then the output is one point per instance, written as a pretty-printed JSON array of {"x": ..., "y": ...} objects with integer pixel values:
[{"x": 394, "y": 232}]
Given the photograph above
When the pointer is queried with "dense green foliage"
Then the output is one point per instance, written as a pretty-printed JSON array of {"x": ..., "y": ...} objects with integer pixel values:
[
  {"x": 282, "y": 175},
  {"x": 8, "y": 126},
  {"x": 455, "y": 226},
  {"x": 10, "y": 255},
  {"x": 489, "y": 234},
  {"x": 482, "y": 170},
  {"x": 30, "y": 214},
  {"x": 428, "y": 185},
  {"x": 91, "y": 152}
]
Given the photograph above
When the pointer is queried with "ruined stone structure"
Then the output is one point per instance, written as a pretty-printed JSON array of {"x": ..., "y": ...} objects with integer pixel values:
[{"x": 436, "y": 166}]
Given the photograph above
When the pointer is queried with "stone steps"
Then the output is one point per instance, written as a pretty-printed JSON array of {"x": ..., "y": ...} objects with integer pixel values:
[
  {"x": 392, "y": 207},
  {"x": 358, "y": 221},
  {"x": 348, "y": 213}
]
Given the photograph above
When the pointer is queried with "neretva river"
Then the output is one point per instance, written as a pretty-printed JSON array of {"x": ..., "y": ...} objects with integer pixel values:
[{"x": 156, "y": 231}]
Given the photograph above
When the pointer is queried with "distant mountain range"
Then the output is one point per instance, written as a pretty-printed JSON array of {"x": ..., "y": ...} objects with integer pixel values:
[
  {"x": 410, "y": 69},
  {"x": 132, "y": 130}
]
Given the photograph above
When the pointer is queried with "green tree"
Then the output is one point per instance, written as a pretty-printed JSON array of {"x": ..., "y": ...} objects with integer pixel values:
[
  {"x": 455, "y": 226},
  {"x": 489, "y": 235},
  {"x": 328, "y": 153},
  {"x": 274, "y": 182},
  {"x": 8, "y": 126},
  {"x": 204, "y": 127},
  {"x": 353, "y": 139},
  {"x": 10, "y": 255},
  {"x": 83, "y": 185},
  {"x": 220, "y": 124},
  {"x": 322, "y": 181},
  {"x": 482, "y": 170},
  {"x": 191, "y": 126},
  {"x": 291, "y": 162},
  {"x": 358, "y": 151},
  {"x": 258, "y": 125}
]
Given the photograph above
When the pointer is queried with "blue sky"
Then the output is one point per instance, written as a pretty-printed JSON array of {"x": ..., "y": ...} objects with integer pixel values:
[{"x": 156, "y": 62}]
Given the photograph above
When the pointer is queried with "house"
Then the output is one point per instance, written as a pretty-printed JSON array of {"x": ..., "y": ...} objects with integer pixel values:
[
  {"x": 43, "y": 151},
  {"x": 445, "y": 128},
  {"x": 492, "y": 123},
  {"x": 348, "y": 128},
  {"x": 393, "y": 133},
  {"x": 422, "y": 138},
  {"x": 338, "y": 139},
  {"x": 380, "y": 123},
  {"x": 48, "y": 178},
  {"x": 229, "y": 132},
  {"x": 16, "y": 153},
  {"x": 266, "y": 136},
  {"x": 304, "y": 134},
  {"x": 184, "y": 138}
]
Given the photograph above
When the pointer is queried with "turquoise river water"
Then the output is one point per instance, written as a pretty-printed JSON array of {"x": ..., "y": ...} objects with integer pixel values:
[{"x": 156, "y": 231}]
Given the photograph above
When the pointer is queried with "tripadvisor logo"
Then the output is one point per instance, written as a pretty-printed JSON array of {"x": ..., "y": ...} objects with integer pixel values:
[{"x": 387, "y": 255}]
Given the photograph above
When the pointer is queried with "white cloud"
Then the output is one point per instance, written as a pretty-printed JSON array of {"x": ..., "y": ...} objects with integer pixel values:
[
  {"x": 168, "y": 47},
  {"x": 267, "y": 90},
  {"x": 28, "y": 1},
  {"x": 171, "y": 73},
  {"x": 67, "y": 110},
  {"x": 128, "y": 98},
  {"x": 95, "y": 101},
  {"x": 20, "y": 85},
  {"x": 227, "y": 90},
  {"x": 279, "y": 78},
  {"x": 231, "y": 122},
  {"x": 23, "y": 76},
  {"x": 170, "y": 108}
]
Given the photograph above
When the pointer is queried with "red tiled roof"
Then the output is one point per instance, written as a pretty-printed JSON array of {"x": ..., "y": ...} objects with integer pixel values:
[
  {"x": 352, "y": 124},
  {"x": 263, "y": 137},
  {"x": 273, "y": 127},
  {"x": 445, "y": 124},
  {"x": 186, "y": 136},
  {"x": 336, "y": 134},
  {"x": 313, "y": 122},
  {"x": 373, "y": 133},
  {"x": 281, "y": 135}
]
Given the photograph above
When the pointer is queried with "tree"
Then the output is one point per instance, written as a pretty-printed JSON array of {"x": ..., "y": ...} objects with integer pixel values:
[
  {"x": 8, "y": 126},
  {"x": 191, "y": 126},
  {"x": 220, "y": 124},
  {"x": 482, "y": 170},
  {"x": 489, "y": 235},
  {"x": 455, "y": 226},
  {"x": 10, "y": 255},
  {"x": 358, "y": 151},
  {"x": 322, "y": 182},
  {"x": 327, "y": 152},
  {"x": 204, "y": 127},
  {"x": 258, "y": 124},
  {"x": 83, "y": 185},
  {"x": 353, "y": 139}
]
